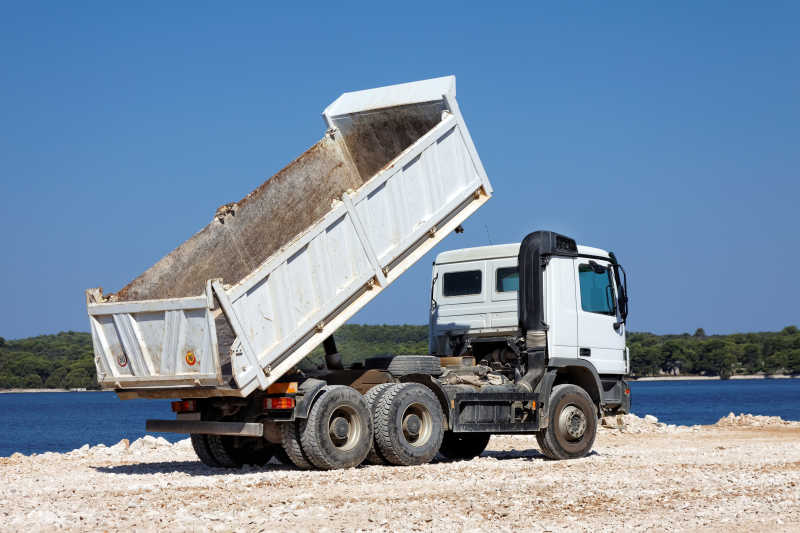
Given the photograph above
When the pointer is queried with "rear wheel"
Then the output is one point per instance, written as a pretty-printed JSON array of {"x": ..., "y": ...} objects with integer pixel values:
[
  {"x": 251, "y": 451},
  {"x": 338, "y": 431},
  {"x": 290, "y": 440},
  {"x": 215, "y": 450},
  {"x": 232, "y": 452},
  {"x": 374, "y": 456},
  {"x": 222, "y": 448},
  {"x": 573, "y": 424},
  {"x": 200, "y": 445},
  {"x": 408, "y": 424},
  {"x": 463, "y": 446},
  {"x": 280, "y": 454}
]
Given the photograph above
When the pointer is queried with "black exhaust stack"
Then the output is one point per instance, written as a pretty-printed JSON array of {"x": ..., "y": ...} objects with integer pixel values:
[{"x": 534, "y": 253}]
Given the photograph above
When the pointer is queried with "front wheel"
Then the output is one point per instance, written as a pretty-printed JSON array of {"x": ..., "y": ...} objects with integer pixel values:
[{"x": 573, "y": 424}]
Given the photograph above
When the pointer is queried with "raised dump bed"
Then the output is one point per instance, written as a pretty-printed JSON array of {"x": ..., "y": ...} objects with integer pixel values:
[{"x": 246, "y": 298}]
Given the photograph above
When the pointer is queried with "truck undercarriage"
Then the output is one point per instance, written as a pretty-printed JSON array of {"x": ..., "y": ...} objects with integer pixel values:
[{"x": 417, "y": 406}]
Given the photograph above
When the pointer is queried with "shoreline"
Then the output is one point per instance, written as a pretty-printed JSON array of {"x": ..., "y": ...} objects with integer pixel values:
[
  {"x": 630, "y": 422},
  {"x": 28, "y": 391},
  {"x": 687, "y": 377},
  {"x": 693, "y": 377}
]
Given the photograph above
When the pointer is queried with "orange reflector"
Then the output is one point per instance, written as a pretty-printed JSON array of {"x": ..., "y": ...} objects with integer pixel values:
[
  {"x": 533, "y": 405},
  {"x": 184, "y": 406},
  {"x": 627, "y": 391},
  {"x": 279, "y": 403},
  {"x": 283, "y": 388}
]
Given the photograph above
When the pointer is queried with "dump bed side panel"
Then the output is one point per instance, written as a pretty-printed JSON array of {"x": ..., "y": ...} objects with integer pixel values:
[{"x": 288, "y": 306}]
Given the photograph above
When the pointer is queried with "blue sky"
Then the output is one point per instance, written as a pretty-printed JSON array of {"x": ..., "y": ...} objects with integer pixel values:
[{"x": 668, "y": 133}]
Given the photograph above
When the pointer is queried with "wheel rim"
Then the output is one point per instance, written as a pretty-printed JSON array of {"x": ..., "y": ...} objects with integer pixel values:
[
  {"x": 345, "y": 427},
  {"x": 417, "y": 424},
  {"x": 572, "y": 423}
]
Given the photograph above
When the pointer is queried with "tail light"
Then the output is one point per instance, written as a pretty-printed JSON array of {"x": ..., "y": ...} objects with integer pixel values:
[
  {"x": 283, "y": 402},
  {"x": 184, "y": 406}
]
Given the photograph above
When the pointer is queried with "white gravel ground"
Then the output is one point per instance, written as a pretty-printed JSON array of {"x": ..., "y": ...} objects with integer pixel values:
[{"x": 742, "y": 474}]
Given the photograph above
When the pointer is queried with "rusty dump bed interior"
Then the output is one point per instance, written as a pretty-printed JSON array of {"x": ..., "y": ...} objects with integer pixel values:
[{"x": 244, "y": 234}]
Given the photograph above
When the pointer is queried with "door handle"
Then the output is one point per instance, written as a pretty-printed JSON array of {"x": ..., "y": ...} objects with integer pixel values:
[{"x": 585, "y": 352}]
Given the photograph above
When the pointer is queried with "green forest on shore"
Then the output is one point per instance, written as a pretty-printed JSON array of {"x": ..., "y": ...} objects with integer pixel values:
[{"x": 65, "y": 360}]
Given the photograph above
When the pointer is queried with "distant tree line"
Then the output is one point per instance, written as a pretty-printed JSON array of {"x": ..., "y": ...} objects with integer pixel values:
[
  {"x": 716, "y": 355},
  {"x": 57, "y": 361},
  {"x": 66, "y": 360},
  {"x": 358, "y": 342}
]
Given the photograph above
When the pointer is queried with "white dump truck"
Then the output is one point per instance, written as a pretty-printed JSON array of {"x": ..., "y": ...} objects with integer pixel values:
[{"x": 222, "y": 323}]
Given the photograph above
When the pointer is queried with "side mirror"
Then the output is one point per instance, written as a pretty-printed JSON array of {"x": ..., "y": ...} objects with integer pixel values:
[{"x": 622, "y": 288}]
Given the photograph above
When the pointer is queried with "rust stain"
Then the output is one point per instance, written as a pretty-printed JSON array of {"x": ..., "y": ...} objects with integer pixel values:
[
  {"x": 281, "y": 174},
  {"x": 376, "y": 137}
]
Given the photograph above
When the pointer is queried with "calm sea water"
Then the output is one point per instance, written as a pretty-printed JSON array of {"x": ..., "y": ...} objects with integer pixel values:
[{"x": 59, "y": 422}]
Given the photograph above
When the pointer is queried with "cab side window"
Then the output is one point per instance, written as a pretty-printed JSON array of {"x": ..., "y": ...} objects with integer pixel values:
[
  {"x": 597, "y": 290},
  {"x": 462, "y": 283},
  {"x": 507, "y": 279}
]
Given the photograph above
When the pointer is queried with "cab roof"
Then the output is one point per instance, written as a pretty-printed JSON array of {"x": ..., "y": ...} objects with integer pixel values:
[{"x": 499, "y": 251}]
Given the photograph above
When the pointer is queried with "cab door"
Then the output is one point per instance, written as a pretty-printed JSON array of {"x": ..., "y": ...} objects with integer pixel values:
[{"x": 596, "y": 294}]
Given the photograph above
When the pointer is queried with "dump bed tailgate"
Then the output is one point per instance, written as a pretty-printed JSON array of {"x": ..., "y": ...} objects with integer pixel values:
[{"x": 155, "y": 343}]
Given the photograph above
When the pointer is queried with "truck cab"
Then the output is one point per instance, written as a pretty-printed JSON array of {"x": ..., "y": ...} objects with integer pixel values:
[
  {"x": 474, "y": 305},
  {"x": 572, "y": 298}
]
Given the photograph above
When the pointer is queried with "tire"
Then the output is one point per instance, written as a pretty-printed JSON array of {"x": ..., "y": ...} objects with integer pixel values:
[
  {"x": 540, "y": 440},
  {"x": 338, "y": 431},
  {"x": 222, "y": 448},
  {"x": 463, "y": 446},
  {"x": 290, "y": 441},
  {"x": 200, "y": 445},
  {"x": 403, "y": 365},
  {"x": 280, "y": 455},
  {"x": 374, "y": 456},
  {"x": 380, "y": 362},
  {"x": 573, "y": 424},
  {"x": 408, "y": 424},
  {"x": 251, "y": 451}
]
